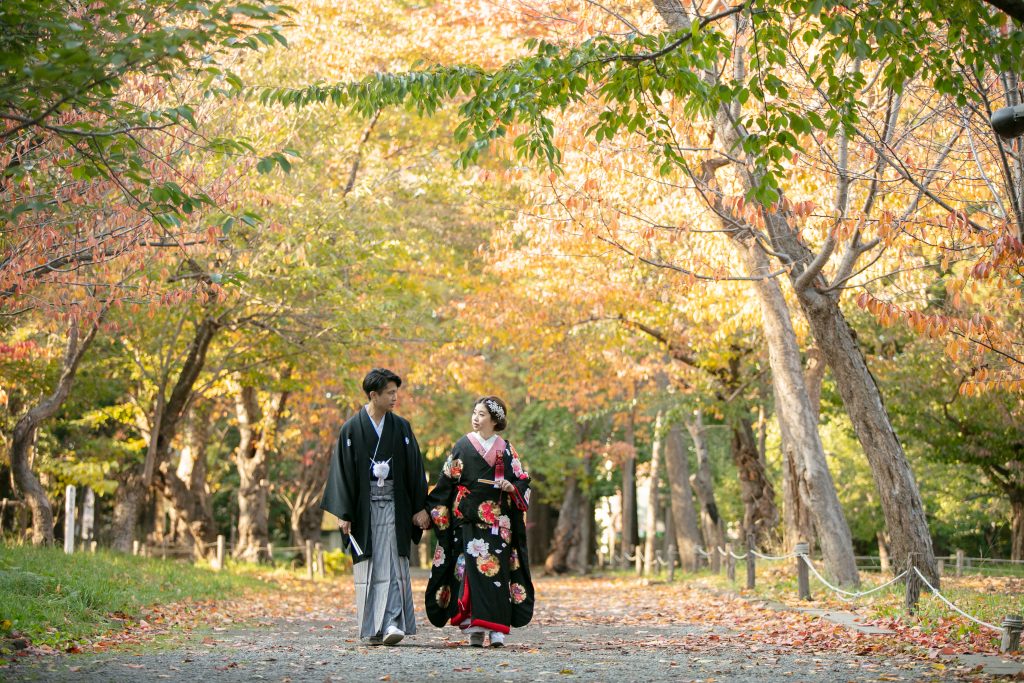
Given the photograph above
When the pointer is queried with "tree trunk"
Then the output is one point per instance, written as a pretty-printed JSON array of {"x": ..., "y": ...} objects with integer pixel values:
[
  {"x": 1017, "y": 525},
  {"x": 814, "y": 375},
  {"x": 677, "y": 466},
  {"x": 796, "y": 416},
  {"x": 885, "y": 564},
  {"x": 251, "y": 465},
  {"x": 128, "y": 502},
  {"x": 798, "y": 424},
  {"x": 539, "y": 540},
  {"x": 760, "y": 515},
  {"x": 566, "y": 531},
  {"x": 24, "y": 435},
  {"x": 583, "y": 551},
  {"x": 192, "y": 472},
  {"x": 258, "y": 436},
  {"x": 894, "y": 480},
  {"x": 702, "y": 483},
  {"x": 651, "y": 518},
  {"x": 797, "y": 524},
  {"x": 630, "y": 537},
  {"x": 306, "y": 524},
  {"x": 305, "y": 515},
  {"x": 166, "y": 419}
]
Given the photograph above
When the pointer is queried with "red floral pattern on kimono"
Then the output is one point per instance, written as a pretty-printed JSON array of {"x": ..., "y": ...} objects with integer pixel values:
[{"x": 439, "y": 515}]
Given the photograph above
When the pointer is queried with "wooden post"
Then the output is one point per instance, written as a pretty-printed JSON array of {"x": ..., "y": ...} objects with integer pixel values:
[
  {"x": 697, "y": 559},
  {"x": 320, "y": 561},
  {"x": 959, "y": 563},
  {"x": 69, "y": 519},
  {"x": 750, "y": 562},
  {"x": 135, "y": 547},
  {"x": 92, "y": 547},
  {"x": 163, "y": 548},
  {"x": 672, "y": 562},
  {"x": 803, "y": 579},
  {"x": 220, "y": 551},
  {"x": 639, "y": 560},
  {"x": 1012, "y": 626},
  {"x": 88, "y": 515},
  {"x": 730, "y": 563},
  {"x": 913, "y": 585},
  {"x": 309, "y": 559},
  {"x": 941, "y": 566},
  {"x": 270, "y": 553}
]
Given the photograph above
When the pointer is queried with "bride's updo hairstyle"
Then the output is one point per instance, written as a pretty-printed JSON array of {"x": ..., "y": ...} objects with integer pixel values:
[{"x": 497, "y": 410}]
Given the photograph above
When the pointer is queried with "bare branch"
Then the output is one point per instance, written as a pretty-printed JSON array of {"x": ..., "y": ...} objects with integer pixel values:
[
  {"x": 814, "y": 268},
  {"x": 849, "y": 261},
  {"x": 682, "y": 39},
  {"x": 685, "y": 271},
  {"x": 359, "y": 153}
]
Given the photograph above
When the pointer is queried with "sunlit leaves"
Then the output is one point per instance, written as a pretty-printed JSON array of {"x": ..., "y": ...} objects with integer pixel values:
[{"x": 65, "y": 76}]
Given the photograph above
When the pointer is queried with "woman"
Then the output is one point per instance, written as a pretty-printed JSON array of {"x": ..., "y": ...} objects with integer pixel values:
[{"x": 480, "y": 580}]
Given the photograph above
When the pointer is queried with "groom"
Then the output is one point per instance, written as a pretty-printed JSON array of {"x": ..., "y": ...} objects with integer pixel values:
[{"x": 377, "y": 488}]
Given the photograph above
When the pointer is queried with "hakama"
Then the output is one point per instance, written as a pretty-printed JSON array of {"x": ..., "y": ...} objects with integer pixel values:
[{"x": 383, "y": 596}]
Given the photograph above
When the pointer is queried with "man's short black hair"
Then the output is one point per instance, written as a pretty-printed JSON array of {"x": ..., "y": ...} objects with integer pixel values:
[{"x": 377, "y": 380}]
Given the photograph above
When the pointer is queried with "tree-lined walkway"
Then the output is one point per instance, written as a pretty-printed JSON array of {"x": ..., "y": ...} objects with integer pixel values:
[{"x": 584, "y": 629}]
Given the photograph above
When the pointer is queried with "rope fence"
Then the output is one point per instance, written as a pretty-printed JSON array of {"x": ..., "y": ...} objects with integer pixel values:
[
  {"x": 773, "y": 558},
  {"x": 940, "y": 596},
  {"x": 1011, "y": 628},
  {"x": 849, "y": 596}
]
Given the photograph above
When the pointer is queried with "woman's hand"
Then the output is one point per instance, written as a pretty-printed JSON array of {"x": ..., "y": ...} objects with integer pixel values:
[{"x": 507, "y": 486}]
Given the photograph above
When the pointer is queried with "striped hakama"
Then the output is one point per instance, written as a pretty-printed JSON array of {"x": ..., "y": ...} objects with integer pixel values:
[{"x": 383, "y": 587}]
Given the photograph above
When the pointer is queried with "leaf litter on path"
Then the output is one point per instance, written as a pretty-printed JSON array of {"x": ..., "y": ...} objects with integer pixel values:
[{"x": 590, "y": 603}]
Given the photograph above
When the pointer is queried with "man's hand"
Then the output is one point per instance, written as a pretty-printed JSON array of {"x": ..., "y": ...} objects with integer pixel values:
[
  {"x": 421, "y": 519},
  {"x": 345, "y": 526}
]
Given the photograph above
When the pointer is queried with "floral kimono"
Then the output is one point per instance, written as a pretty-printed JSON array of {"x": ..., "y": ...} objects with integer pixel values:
[{"x": 481, "y": 572}]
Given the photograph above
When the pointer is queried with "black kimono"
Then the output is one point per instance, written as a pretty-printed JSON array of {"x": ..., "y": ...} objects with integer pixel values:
[
  {"x": 481, "y": 571},
  {"x": 347, "y": 494}
]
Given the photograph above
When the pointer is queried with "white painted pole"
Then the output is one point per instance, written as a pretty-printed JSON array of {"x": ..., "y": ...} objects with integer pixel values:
[
  {"x": 69, "y": 519},
  {"x": 88, "y": 514}
]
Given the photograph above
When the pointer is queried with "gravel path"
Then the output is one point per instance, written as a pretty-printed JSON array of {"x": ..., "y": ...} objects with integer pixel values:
[{"x": 580, "y": 633}]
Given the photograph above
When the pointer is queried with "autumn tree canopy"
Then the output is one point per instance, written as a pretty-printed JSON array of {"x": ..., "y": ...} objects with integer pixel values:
[{"x": 772, "y": 245}]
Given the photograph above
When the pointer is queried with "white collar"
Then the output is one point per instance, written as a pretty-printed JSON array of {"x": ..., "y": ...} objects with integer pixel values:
[
  {"x": 378, "y": 427},
  {"x": 487, "y": 443}
]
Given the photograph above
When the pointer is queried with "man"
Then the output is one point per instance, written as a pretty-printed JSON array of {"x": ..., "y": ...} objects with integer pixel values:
[{"x": 378, "y": 490}]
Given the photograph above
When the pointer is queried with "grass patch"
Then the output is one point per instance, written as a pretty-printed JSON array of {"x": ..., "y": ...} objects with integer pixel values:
[{"x": 56, "y": 599}]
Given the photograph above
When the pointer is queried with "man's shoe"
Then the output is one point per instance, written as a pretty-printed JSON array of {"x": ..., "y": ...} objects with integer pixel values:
[
  {"x": 393, "y": 635},
  {"x": 476, "y": 639},
  {"x": 374, "y": 640},
  {"x": 497, "y": 639}
]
